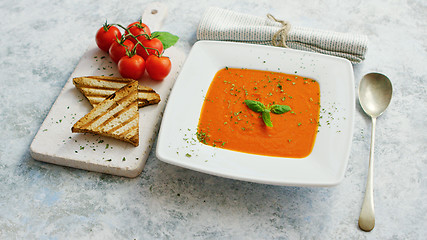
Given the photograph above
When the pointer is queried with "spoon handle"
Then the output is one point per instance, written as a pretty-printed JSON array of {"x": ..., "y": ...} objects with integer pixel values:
[{"x": 367, "y": 214}]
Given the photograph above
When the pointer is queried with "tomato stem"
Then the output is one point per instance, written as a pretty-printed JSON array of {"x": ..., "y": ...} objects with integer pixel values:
[
  {"x": 128, "y": 33},
  {"x": 145, "y": 35},
  {"x": 132, "y": 52},
  {"x": 145, "y": 48},
  {"x": 106, "y": 26},
  {"x": 119, "y": 25}
]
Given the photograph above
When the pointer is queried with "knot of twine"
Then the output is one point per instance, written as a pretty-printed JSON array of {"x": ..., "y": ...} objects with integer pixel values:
[{"x": 279, "y": 38}]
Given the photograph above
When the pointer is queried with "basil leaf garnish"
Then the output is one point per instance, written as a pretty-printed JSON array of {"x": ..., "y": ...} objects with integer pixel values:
[
  {"x": 266, "y": 118},
  {"x": 255, "y": 105},
  {"x": 265, "y": 111},
  {"x": 279, "y": 109}
]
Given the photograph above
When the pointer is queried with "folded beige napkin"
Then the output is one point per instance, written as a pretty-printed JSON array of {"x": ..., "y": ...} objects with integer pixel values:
[{"x": 225, "y": 25}]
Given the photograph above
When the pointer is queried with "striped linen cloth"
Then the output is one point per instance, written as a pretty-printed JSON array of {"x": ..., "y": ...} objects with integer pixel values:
[{"x": 225, "y": 25}]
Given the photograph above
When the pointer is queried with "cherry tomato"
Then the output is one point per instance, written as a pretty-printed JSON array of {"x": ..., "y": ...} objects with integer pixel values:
[
  {"x": 118, "y": 49},
  {"x": 131, "y": 67},
  {"x": 138, "y": 28},
  {"x": 150, "y": 43},
  {"x": 158, "y": 67},
  {"x": 106, "y": 36}
]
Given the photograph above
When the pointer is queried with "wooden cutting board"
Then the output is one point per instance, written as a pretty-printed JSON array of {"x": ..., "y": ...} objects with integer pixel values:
[{"x": 55, "y": 143}]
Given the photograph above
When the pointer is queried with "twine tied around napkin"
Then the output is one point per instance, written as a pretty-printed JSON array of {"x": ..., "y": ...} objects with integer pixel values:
[
  {"x": 282, "y": 34},
  {"x": 225, "y": 25}
]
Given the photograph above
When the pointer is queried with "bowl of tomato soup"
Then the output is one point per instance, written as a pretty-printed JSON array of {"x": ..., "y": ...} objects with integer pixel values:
[
  {"x": 227, "y": 122},
  {"x": 261, "y": 114}
]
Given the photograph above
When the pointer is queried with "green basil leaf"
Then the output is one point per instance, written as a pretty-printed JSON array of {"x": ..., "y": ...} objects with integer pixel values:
[
  {"x": 266, "y": 118},
  {"x": 255, "y": 105},
  {"x": 166, "y": 38},
  {"x": 279, "y": 109}
]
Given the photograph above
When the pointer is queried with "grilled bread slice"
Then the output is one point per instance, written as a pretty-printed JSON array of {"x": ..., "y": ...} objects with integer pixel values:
[
  {"x": 97, "y": 88},
  {"x": 117, "y": 116}
]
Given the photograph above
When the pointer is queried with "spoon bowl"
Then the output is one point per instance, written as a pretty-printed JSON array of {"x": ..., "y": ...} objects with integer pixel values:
[{"x": 375, "y": 93}]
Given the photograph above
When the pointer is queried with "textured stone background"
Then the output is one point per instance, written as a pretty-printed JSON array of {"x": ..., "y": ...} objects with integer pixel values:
[{"x": 42, "y": 43}]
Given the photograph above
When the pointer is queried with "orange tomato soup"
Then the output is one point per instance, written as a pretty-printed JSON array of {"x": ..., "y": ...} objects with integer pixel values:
[{"x": 227, "y": 122}]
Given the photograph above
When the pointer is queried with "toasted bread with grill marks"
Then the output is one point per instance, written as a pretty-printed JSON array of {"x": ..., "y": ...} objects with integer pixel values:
[
  {"x": 97, "y": 88},
  {"x": 117, "y": 116}
]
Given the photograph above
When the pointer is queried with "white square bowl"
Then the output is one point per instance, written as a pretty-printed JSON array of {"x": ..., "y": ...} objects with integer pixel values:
[{"x": 177, "y": 142}]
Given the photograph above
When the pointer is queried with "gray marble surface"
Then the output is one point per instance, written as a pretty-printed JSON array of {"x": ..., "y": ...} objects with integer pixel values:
[{"x": 42, "y": 43}]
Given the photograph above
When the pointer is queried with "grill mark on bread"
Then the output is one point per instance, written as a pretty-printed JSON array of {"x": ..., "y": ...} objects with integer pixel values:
[
  {"x": 114, "y": 105},
  {"x": 117, "y": 116},
  {"x": 89, "y": 87},
  {"x": 124, "y": 124},
  {"x": 145, "y": 90},
  {"x": 125, "y": 133},
  {"x": 97, "y": 88},
  {"x": 111, "y": 79},
  {"x": 134, "y": 138}
]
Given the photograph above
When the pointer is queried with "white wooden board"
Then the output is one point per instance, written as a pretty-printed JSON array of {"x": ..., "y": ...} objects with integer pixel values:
[{"x": 55, "y": 143}]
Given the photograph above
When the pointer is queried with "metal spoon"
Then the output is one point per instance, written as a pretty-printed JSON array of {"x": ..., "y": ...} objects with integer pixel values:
[{"x": 375, "y": 93}]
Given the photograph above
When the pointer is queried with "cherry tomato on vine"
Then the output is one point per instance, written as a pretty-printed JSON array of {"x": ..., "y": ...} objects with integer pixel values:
[
  {"x": 118, "y": 49},
  {"x": 157, "y": 67},
  {"x": 154, "y": 47},
  {"x": 106, "y": 35},
  {"x": 138, "y": 28},
  {"x": 131, "y": 67}
]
